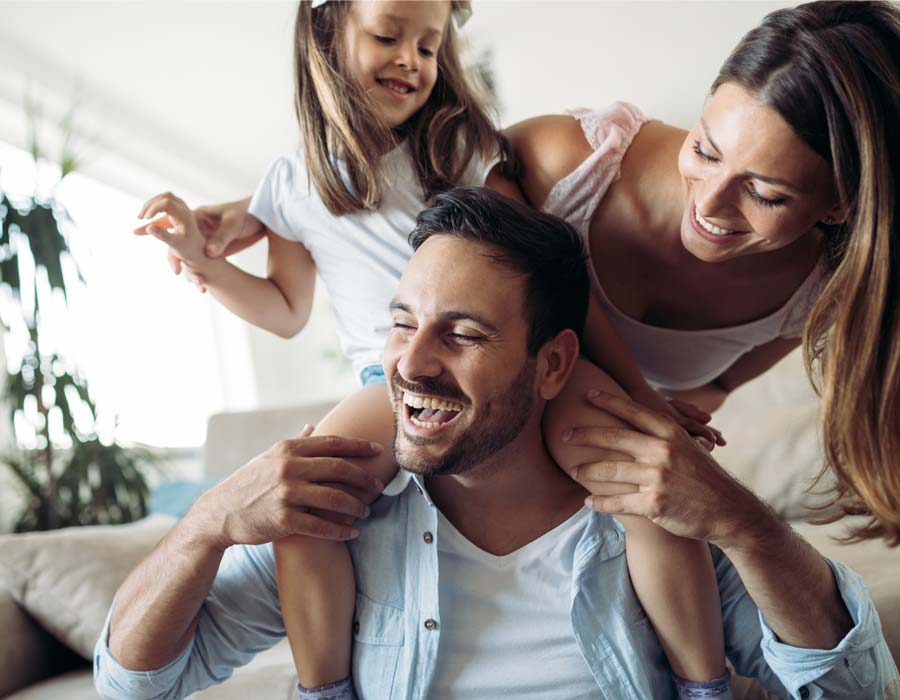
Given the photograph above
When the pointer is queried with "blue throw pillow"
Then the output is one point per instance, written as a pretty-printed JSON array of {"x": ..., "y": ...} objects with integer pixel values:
[{"x": 175, "y": 496}]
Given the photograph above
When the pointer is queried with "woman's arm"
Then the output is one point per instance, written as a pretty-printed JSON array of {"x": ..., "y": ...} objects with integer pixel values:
[
  {"x": 751, "y": 365},
  {"x": 548, "y": 148}
]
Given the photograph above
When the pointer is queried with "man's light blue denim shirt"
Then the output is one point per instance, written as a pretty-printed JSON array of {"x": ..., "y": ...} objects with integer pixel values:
[{"x": 397, "y": 626}]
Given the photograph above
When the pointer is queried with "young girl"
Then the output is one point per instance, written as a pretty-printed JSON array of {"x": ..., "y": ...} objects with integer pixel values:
[{"x": 388, "y": 120}]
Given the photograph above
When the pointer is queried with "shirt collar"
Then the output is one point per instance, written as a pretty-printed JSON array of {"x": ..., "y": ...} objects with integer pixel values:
[{"x": 402, "y": 481}]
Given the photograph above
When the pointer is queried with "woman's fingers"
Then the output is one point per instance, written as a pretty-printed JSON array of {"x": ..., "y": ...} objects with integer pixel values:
[{"x": 688, "y": 409}]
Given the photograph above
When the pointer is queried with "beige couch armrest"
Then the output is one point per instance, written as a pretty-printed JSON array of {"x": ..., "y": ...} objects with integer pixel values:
[{"x": 27, "y": 653}]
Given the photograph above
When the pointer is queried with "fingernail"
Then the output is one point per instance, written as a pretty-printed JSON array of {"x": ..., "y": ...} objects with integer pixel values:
[
  {"x": 354, "y": 533},
  {"x": 589, "y": 501},
  {"x": 306, "y": 426},
  {"x": 366, "y": 512},
  {"x": 566, "y": 436},
  {"x": 375, "y": 446},
  {"x": 593, "y": 393},
  {"x": 379, "y": 486},
  {"x": 212, "y": 250}
]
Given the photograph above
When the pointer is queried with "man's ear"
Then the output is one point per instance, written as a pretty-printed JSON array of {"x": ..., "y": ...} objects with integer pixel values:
[{"x": 556, "y": 360}]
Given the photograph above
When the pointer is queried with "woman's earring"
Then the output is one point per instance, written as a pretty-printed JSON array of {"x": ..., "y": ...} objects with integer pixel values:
[{"x": 829, "y": 220}]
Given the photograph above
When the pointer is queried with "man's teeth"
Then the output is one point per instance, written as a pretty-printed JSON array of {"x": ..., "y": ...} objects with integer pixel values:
[
  {"x": 428, "y": 402},
  {"x": 712, "y": 228}
]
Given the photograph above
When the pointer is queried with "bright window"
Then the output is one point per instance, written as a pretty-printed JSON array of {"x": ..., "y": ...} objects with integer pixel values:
[{"x": 145, "y": 343}]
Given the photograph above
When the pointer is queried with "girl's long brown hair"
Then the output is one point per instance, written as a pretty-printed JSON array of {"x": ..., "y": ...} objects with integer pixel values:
[
  {"x": 338, "y": 120},
  {"x": 832, "y": 70}
]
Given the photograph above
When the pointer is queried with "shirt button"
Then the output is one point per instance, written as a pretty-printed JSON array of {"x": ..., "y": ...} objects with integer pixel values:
[
  {"x": 428, "y": 537},
  {"x": 430, "y": 624},
  {"x": 804, "y": 691},
  {"x": 356, "y": 627}
]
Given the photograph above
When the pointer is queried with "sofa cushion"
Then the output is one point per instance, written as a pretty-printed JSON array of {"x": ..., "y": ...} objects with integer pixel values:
[
  {"x": 66, "y": 579},
  {"x": 773, "y": 428},
  {"x": 270, "y": 675}
]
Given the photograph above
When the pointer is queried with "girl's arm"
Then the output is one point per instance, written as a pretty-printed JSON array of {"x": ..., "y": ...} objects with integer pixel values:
[{"x": 280, "y": 302}]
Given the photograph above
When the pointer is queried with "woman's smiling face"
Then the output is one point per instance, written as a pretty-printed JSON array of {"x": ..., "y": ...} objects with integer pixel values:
[{"x": 751, "y": 184}]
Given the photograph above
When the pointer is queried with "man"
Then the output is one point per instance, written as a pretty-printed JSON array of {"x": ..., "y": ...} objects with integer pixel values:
[{"x": 479, "y": 571}]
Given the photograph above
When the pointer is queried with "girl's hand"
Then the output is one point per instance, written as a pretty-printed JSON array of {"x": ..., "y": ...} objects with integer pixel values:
[
  {"x": 228, "y": 229},
  {"x": 687, "y": 415},
  {"x": 177, "y": 229}
]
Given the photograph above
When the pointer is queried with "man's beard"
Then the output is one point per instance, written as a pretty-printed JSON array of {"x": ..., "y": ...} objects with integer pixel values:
[{"x": 501, "y": 420}]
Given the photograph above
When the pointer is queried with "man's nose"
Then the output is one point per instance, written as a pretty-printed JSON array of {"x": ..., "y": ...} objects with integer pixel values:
[{"x": 419, "y": 357}]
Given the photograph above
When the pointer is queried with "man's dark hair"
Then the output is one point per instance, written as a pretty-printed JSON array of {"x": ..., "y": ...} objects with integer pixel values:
[{"x": 545, "y": 249}]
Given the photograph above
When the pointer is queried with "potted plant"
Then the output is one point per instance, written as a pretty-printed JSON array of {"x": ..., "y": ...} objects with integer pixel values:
[{"x": 69, "y": 475}]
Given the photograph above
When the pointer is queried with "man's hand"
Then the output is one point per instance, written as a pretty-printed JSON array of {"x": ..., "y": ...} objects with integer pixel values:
[
  {"x": 672, "y": 480},
  {"x": 270, "y": 497}
]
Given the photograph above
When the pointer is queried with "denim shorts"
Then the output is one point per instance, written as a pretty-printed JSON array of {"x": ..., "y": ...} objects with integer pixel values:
[{"x": 373, "y": 374}]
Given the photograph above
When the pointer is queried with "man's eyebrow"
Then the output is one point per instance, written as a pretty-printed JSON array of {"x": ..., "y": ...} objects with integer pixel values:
[
  {"x": 756, "y": 176},
  {"x": 469, "y": 316},
  {"x": 397, "y": 305}
]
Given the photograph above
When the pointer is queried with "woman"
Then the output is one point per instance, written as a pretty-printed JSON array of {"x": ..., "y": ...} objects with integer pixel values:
[{"x": 774, "y": 216}]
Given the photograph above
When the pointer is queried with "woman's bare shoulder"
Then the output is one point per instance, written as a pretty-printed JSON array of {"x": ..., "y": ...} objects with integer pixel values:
[{"x": 548, "y": 148}]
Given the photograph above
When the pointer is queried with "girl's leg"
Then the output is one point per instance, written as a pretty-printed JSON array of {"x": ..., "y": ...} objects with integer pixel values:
[
  {"x": 673, "y": 577},
  {"x": 315, "y": 577}
]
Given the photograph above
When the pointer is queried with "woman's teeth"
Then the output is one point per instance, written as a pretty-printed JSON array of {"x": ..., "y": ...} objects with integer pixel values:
[{"x": 712, "y": 228}]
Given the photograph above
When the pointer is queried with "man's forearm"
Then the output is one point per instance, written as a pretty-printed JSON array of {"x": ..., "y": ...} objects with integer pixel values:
[
  {"x": 157, "y": 605},
  {"x": 791, "y": 584}
]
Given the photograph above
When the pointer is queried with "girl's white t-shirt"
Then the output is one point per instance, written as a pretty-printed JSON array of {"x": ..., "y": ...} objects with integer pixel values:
[{"x": 359, "y": 256}]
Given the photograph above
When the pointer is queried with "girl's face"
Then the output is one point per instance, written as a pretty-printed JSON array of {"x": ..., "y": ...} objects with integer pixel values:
[
  {"x": 392, "y": 50},
  {"x": 751, "y": 185}
]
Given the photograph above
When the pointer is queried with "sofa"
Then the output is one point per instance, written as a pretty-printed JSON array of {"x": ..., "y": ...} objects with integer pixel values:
[{"x": 56, "y": 587}]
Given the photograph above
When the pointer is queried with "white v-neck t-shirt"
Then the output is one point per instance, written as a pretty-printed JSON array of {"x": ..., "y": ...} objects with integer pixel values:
[{"x": 506, "y": 628}]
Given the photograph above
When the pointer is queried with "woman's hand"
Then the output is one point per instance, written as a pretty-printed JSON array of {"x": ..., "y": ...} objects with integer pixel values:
[
  {"x": 687, "y": 415},
  {"x": 672, "y": 480}
]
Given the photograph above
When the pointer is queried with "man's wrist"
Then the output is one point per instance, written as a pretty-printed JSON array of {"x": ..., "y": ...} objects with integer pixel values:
[
  {"x": 754, "y": 530},
  {"x": 205, "y": 527}
]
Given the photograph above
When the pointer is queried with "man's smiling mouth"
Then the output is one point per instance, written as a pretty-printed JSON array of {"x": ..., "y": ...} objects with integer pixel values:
[{"x": 430, "y": 412}]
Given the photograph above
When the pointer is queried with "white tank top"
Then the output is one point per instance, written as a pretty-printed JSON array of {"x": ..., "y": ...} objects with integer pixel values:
[{"x": 668, "y": 358}]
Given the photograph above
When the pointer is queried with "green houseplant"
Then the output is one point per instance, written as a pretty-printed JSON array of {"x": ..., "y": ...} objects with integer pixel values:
[{"x": 69, "y": 475}]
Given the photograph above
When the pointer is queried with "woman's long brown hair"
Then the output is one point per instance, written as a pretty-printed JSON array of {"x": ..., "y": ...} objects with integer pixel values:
[
  {"x": 339, "y": 121},
  {"x": 832, "y": 70}
]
